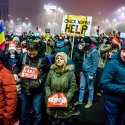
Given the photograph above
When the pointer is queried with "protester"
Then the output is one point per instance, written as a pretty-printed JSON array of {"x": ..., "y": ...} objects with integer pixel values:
[
  {"x": 32, "y": 69},
  {"x": 12, "y": 56},
  {"x": 89, "y": 67},
  {"x": 8, "y": 94},
  {"x": 4, "y": 58},
  {"x": 61, "y": 79},
  {"x": 103, "y": 50},
  {"x": 113, "y": 84},
  {"x": 78, "y": 55},
  {"x": 50, "y": 44}
]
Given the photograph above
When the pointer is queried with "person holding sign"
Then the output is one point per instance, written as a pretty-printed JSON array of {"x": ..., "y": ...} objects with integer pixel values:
[
  {"x": 32, "y": 68},
  {"x": 60, "y": 89}
]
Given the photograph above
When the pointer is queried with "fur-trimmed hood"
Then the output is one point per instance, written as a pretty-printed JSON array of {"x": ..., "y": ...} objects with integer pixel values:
[{"x": 68, "y": 68}]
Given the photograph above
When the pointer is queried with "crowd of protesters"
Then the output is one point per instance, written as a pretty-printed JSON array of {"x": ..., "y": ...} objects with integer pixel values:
[{"x": 65, "y": 66}]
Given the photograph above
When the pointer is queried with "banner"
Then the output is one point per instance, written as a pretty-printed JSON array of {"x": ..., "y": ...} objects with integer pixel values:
[
  {"x": 57, "y": 100},
  {"x": 76, "y": 25},
  {"x": 29, "y": 72},
  {"x": 116, "y": 41}
]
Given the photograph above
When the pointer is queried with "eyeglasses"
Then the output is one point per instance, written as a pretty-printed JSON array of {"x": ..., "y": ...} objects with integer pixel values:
[{"x": 47, "y": 32}]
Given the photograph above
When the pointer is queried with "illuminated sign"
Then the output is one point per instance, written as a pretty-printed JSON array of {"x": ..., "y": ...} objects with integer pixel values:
[{"x": 50, "y": 6}]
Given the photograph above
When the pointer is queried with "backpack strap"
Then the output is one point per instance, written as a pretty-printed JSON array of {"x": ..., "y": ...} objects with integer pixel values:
[
  {"x": 39, "y": 63},
  {"x": 24, "y": 59}
]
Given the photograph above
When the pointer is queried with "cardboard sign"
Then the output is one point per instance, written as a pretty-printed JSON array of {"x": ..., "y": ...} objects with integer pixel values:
[
  {"x": 76, "y": 25},
  {"x": 29, "y": 72},
  {"x": 57, "y": 100}
]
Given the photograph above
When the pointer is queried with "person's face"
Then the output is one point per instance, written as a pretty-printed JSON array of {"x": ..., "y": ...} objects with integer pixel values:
[
  {"x": 48, "y": 33},
  {"x": 12, "y": 51},
  {"x": 81, "y": 46},
  {"x": 32, "y": 54},
  {"x": 123, "y": 55},
  {"x": 59, "y": 61},
  {"x": 24, "y": 42}
]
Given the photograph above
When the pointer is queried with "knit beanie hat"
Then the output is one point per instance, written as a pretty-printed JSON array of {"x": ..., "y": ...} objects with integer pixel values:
[
  {"x": 12, "y": 46},
  {"x": 87, "y": 39},
  {"x": 123, "y": 47},
  {"x": 16, "y": 38},
  {"x": 63, "y": 55}
]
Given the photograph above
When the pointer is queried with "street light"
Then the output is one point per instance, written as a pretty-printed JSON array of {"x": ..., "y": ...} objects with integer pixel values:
[
  {"x": 114, "y": 20},
  {"x": 54, "y": 12},
  {"x": 121, "y": 10},
  {"x": 107, "y": 20}
]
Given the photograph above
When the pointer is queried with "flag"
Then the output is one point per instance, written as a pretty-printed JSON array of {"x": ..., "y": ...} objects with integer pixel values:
[
  {"x": 116, "y": 41},
  {"x": 2, "y": 37}
]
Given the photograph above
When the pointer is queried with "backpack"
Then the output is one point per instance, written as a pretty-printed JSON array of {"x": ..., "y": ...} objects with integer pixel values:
[{"x": 49, "y": 58}]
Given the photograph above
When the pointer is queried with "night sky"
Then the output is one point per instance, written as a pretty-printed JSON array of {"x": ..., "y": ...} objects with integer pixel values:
[{"x": 32, "y": 8}]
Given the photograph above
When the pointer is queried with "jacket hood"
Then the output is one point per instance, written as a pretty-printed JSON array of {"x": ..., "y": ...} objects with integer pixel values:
[
  {"x": 117, "y": 56},
  {"x": 68, "y": 67}
]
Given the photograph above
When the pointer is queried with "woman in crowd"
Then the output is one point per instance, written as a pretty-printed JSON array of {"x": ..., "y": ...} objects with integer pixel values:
[{"x": 61, "y": 81}]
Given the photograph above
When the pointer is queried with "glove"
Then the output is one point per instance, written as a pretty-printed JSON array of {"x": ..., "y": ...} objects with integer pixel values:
[{"x": 18, "y": 86}]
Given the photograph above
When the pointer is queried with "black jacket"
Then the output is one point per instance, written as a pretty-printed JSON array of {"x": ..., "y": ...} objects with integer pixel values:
[{"x": 30, "y": 86}]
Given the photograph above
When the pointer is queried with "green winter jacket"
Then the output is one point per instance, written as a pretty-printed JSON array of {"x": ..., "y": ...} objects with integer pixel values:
[
  {"x": 61, "y": 82},
  {"x": 103, "y": 51}
]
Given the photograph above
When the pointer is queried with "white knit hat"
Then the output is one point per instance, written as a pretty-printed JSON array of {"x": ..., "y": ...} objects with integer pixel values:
[
  {"x": 63, "y": 55},
  {"x": 12, "y": 46},
  {"x": 16, "y": 38}
]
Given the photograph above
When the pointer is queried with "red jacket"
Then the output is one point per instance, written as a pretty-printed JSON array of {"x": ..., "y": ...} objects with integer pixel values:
[{"x": 8, "y": 96}]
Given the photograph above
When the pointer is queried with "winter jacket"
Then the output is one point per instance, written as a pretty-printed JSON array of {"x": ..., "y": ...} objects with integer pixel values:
[
  {"x": 103, "y": 51},
  {"x": 78, "y": 60},
  {"x": 113, "y": 80},
  {"x": 91, "y": 59},
  {"x": 41, "y": 62},
  {"x": 49, "y": 46},
  {"x": 12, "y": 60},
  {"x": 61, "y": 82},
  {"x": 8, "y": 96}
]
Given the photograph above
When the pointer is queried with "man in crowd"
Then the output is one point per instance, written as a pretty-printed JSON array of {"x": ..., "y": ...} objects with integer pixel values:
[
  {"x": 113, "y": 84},
  {"x": 32, "y": 68},
  {"x": 8, "y": 93}
]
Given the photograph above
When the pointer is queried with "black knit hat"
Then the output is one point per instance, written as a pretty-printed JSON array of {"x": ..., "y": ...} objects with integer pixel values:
[
  {"x": 87, "y": 39},
  {"x": 123, "y": 47}
]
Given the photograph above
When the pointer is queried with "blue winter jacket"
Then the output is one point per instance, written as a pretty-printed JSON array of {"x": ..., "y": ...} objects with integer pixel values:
[
  {"x": 91, "y": 60},
  {"x": 113, "y": 80}
]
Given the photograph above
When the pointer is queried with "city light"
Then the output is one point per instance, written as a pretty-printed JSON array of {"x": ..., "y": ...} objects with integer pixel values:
[
  {"x": 107, "y": 20},
  {"x": 50, "y": 6},
  {"x": 54, "y": 16}
]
